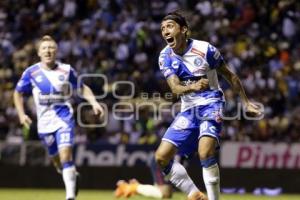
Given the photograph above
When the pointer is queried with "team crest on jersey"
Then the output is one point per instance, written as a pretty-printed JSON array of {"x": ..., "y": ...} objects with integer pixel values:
[
  {"x": 198, "y": 62},
  {"x": 61, "y": 77}
]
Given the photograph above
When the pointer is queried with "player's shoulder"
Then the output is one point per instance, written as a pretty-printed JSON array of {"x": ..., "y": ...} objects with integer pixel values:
[
  {"x": 164, "y": 60},
  {"x": 166, "y": 51},
  {"x": 32, "y": 69},
  {"x": 200, "y": 44},
  {"x": 64, "y": 67},
  {"x": 203, "y": 48}
]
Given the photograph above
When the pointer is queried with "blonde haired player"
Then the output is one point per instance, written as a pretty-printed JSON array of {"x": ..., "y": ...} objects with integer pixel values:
[{"x": 47, "y": 80}]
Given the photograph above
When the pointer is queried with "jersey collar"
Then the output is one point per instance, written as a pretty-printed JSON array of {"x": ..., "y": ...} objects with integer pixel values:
[{"x": 189, "y": 46}]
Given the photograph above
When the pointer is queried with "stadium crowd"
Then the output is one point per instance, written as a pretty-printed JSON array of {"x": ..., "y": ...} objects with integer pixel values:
[{"x": 121, "y": 40}]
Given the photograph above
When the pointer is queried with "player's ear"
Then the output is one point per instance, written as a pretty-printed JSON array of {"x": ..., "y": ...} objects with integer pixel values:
[{"x": 184, "y": 29}]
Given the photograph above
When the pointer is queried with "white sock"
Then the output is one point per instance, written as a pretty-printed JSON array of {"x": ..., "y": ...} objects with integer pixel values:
[
  {"x": 180, "y": 178},
  {"x": 149, "y": 191},
  {"x": 211, "y": 178},
  {"x": 69, "y": 177}
]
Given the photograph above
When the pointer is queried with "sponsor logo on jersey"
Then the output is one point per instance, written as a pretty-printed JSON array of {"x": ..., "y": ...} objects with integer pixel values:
[
  {"x": 39, "y": 79},
  {"x": 48, "y": 99},
  {"x": 175, "y": 64}
]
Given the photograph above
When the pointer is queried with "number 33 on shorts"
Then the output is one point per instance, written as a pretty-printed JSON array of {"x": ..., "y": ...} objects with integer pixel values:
[{"x": 64, "y": 137}]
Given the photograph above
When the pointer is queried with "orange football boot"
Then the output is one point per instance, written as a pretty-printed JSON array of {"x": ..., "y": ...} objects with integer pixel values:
[
  {"x": 125, "y": 189},
  {"x": 121, "y": 187},
  {"x": 198, "y": 196}
]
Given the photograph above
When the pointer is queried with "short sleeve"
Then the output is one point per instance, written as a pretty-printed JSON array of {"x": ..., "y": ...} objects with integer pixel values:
[
  {"x": 73, "y": 79},
  {"x": 213, "y": 57},
  {"x": 167, "y": 65},
  {"x": 24, "y": 84}
]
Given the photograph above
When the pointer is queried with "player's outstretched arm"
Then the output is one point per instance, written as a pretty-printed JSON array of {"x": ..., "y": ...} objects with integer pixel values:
[
  {"x": 237, "y": 86},
  {"x": 90, "y": 97},
  {"x": 178, "y": 89},
  {"x": 19, "y": 104}
]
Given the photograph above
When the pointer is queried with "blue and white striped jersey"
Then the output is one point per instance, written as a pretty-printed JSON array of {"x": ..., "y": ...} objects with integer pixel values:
[
  {"x": 199, "y": 60},
  {"x": 51, "y": 90}
]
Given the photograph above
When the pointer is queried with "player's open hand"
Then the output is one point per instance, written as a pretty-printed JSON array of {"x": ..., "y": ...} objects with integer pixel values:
[
  {"x": 25, "y": 121},
  {"x": 201, "y": 85},
  {"x": 252, "y": 109}
]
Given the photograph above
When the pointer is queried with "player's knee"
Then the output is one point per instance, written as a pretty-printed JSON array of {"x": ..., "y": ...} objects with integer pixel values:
[
  {"x": 203, "y": 155},
  {"x": 161, "y": 159},
  {"x": 65, "y": 154},
  {"x": 207, "y": 147},
  {"x": 65, "y": 158}
]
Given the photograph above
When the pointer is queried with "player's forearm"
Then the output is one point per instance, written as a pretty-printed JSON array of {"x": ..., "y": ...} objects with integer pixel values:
[
  {"x": 88, "y": 95},
  {"x": 237, "y": 86},
  {"x": 234, "y": 81},
  {"x": 178, "y": 89},
  {"x": 19, "y": 103},
  {"x": 181, "y": 90}
]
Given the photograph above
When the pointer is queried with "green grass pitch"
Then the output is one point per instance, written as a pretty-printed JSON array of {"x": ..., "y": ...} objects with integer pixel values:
[{"x": 47, "y": 194}]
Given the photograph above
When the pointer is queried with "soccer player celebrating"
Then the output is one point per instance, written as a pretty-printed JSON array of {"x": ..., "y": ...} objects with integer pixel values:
[
  {"x": 47, "y": 80},
  {"x": 188, "y": 65}
]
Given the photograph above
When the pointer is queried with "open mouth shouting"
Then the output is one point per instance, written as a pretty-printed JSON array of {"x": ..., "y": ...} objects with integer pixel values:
[{"x": 171, "y": 41}]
